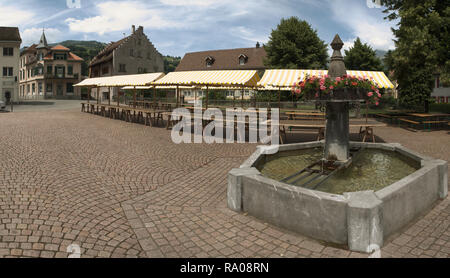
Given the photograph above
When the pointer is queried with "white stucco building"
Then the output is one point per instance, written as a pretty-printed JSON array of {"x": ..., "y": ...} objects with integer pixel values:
[{"x": 9, "y": 62}]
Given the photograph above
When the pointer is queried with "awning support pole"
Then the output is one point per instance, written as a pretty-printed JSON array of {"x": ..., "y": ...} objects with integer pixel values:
[
  {"x": 178, "y": 97},
  {"x": 109, "y": 95},
  {"x": 242, "y": 97},
  {"x": 118, "y": 98},
  {"x": 367, "y": 111},
  {"x": 279, "y": 98},
  {"x": 207, "y": 96},
  {"x": 134, "y": 97}
]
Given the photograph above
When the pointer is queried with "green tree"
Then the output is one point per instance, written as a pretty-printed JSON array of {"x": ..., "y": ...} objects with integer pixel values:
[
  {"x": 216, "y": 95},
  {"x": 422, "y": 47},
  {"x": 171, "y": 63},
  {"x": 362, "y": 57},
  {"x": 295, "y": 45},
  {"x": 388, "y": 61}
]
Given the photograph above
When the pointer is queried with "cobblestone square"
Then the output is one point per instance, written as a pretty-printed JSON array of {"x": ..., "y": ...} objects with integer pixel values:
[{"x": 119, "y": 189}]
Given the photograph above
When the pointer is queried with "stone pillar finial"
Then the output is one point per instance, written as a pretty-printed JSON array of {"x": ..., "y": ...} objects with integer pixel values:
[{"x": 337, "y": 65}]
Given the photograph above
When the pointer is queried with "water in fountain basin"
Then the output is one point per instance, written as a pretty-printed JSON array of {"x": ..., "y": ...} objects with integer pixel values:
[{"x": 372, "y": 169}]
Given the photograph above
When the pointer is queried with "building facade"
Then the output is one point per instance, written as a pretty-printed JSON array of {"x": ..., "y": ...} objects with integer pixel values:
[
  {"x": 227, "y": 59},
  {"x": 440, "y": 93},
  {"x": 133, "y": 54},
  {"x": 49, "y": 72},
  {"x": 9, "y": 63}
]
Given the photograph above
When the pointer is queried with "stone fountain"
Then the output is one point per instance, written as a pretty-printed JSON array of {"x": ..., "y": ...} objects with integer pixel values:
[{"x": 360, "y": 194}]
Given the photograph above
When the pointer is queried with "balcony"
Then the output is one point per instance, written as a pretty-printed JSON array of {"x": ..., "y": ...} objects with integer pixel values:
[{"x": 61, "y": 76}]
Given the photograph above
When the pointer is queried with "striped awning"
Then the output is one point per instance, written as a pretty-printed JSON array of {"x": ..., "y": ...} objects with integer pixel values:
[
  {"x": 90, "y": 82},
  {"x": 156, "y": 87},
  {"x": 121, "y": 80},
  {"x": 213, "y": 78},
  {"x": 285, "y": 78}
]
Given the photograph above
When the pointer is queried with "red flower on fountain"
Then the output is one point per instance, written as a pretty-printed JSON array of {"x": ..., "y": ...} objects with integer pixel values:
[{"x": 313, "y": 87}]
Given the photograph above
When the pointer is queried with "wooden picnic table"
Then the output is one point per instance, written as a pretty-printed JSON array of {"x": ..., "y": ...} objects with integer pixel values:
[
  {"x": 173, "y": 118},
  {"x": 425, "y": 119},
  {"x": 305, "y": 115},
  {"x": 365, "y": 128},
  {"x": 127, "y": 113},
  {"x": 427, "y": 115}
]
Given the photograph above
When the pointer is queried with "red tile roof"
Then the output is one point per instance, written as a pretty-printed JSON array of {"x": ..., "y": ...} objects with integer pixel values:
[
  {"x": 31, "y": 49},
  {"x": 70, "y": 57},
  {"x": 60, "y": 47},
  {"x": 74, "y": 57}
]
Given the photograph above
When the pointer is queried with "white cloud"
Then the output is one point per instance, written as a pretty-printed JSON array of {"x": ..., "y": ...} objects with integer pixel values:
[
  {"x": 32, "y": 35},
  {"x": 14, "y": 16},
  {"x": 119, "y": 16},
  {"x": 249, "y": 35},
  {"x": 191, "y": 3},
  {"x": 364, "y": 23},
  {"x": 347, "y": 45}
]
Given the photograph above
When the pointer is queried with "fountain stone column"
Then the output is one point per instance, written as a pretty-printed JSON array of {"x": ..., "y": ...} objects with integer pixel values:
[{"x": 337, "y": 134}]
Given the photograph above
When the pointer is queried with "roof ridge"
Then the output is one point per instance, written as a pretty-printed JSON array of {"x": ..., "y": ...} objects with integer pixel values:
[{"x": 229, "y": 49}]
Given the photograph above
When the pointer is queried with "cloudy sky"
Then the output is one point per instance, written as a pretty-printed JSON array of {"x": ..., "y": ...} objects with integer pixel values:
[{"x": 179, "y": 26}]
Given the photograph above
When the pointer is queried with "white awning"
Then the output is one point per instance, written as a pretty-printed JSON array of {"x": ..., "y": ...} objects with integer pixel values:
[{"x": 121, "y": 80}]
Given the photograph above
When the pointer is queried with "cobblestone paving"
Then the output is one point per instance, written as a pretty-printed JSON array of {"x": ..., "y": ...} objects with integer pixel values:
[{"x": 124, "y": 190}]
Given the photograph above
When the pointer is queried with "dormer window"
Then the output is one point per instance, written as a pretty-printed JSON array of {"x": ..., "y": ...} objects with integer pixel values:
[
  {"x": 242, "y": 59},
  {"x": 209, "y": 61}
]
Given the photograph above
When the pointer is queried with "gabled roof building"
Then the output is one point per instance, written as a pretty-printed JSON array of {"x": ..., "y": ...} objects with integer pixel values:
[
  {"x": 49, "y": 72},
  {"x": 134, "y": 54},
  {"x": 227, "y": 59}
]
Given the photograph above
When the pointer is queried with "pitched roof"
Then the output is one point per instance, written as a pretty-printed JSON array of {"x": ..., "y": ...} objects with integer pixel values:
[
  {"x": 10, "y": 34},
  {"x": 43, "y": 41},
  {"x": 60, "y": 47},
  {"x": 227, "y": 59},
  {"x": 30, "y": 49},
  {"x": 70, "y": 57},
  {"x": 106, "y": 54},
  {"x": 74, "y": 57}
]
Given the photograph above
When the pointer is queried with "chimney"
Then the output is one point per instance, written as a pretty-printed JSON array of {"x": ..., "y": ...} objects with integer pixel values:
[
  {"x": 133, "y": 29},
  {"x": 257, "y": 45},
  {"x": 141, "y": 29}
]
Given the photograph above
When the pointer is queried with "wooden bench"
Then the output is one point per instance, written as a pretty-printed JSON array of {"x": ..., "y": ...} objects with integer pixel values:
[
  {"x": 410, "y": 122},
  {"x": 427, "y": 124},
  {"x": 306, "y": 118},
  {"x": 84, "y": 107},
  {"x": 365, "y": 128},
  {"x": 385, "y": 116}
]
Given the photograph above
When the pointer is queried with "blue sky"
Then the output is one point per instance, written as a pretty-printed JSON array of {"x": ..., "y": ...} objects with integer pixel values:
[{"x": 179, "y": 26}]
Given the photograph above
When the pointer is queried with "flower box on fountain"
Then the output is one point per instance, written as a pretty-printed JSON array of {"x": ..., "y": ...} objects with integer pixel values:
[{"x": 345, "y": 88}]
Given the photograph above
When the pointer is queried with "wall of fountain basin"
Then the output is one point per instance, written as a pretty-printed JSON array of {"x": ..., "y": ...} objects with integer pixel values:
[{"x": 359, "y": 218}]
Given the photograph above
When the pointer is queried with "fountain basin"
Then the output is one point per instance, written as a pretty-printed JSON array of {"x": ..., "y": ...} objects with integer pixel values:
[{"x": 360, "y": 220}]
